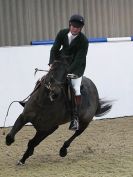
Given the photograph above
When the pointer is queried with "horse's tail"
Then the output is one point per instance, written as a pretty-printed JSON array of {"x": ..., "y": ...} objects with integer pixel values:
[{"x": 103, "y": 108}]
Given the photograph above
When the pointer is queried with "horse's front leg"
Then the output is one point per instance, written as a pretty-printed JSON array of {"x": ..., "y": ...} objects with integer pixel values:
[
  {"x": 39, "y": 136},
  {"x": 63, "y": 150},
  {"x": 20, "y": 122}
]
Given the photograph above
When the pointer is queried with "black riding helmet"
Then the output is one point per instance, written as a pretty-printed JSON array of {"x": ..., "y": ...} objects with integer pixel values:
[{"x": 76, "y": 21}]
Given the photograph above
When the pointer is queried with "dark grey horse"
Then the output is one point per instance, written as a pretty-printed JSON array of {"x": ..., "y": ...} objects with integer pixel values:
[{"x": 48, "y": 107}]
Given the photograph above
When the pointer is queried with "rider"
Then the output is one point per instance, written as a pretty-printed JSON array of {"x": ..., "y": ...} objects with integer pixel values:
[{"x": 72, "y": 42}]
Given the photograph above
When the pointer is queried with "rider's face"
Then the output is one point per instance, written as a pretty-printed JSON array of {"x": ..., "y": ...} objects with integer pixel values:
[{"x": 75, "y": 30}]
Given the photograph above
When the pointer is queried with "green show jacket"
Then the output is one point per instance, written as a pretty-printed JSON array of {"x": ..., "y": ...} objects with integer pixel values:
[{"x": 77, "y": 50}]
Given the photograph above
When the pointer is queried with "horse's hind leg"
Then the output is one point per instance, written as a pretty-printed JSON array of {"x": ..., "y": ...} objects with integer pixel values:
[
  {"x": 63, "y": 150},
  {"x": 39, "y": 136},
  {"x": 20, "y": 122}
]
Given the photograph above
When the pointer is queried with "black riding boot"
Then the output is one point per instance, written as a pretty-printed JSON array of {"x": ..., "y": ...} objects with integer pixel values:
[{"x": 74, "y": 125}]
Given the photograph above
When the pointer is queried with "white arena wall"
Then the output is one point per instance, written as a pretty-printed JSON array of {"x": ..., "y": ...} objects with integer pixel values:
[{"x": 109, "y": 65}]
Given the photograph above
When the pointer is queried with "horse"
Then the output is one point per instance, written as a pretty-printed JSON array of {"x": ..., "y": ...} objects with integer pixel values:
[{"x": 48, "y": 108}]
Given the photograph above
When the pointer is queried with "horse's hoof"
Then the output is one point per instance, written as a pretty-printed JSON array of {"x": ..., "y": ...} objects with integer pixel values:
[
  {"x": 63, "y": 152},
  {"x": 9, "y": 140},
  {"x": 20, "y": 163}
]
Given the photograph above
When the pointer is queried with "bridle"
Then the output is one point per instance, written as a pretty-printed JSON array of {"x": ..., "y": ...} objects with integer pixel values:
[{"x": 53, "y": 83}]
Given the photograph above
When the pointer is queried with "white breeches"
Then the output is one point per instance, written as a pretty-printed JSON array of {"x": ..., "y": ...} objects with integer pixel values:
[{"x": 76, "y": 83}]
